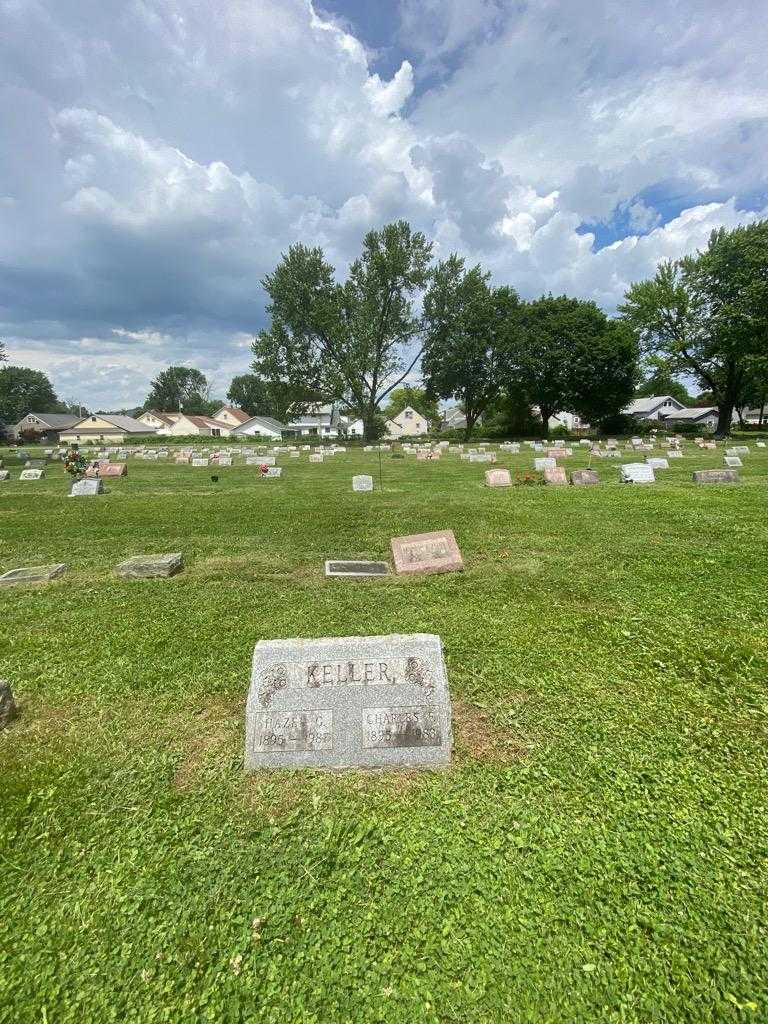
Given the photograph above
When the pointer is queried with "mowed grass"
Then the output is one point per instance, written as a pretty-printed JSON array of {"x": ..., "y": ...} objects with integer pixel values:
[{"x": 596, "y": 851}]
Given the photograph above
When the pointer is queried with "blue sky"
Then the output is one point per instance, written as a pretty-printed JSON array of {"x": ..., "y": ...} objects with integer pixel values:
[{"x": 155, "y": 161}]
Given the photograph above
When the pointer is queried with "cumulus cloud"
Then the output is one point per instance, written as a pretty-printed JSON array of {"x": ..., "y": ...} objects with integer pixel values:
[{"x": 158, "y": 160}]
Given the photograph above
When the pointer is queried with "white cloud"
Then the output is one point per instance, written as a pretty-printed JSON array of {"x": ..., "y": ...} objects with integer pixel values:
[{"x": 157, "y": 160}]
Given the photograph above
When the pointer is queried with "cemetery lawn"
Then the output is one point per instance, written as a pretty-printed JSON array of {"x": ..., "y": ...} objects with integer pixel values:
[{"x": 595, "y": 853}]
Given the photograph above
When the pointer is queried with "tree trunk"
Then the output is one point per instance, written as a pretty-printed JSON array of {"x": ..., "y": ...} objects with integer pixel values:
[
  {"x": 369, "y": 425},
  {"x": 724, "y": 417},
  {"x": 471, "y": 421},
  {"x": 761, "y": 417},
  {"x": 545, "y": 415}
]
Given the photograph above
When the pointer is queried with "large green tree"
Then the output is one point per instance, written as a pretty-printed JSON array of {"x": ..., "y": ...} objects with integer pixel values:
[
  {"x": 278, "y": 399},
  {"x": 707, "y": 314},
  {"x": 565, "y": 355},
  {"x": 417, "y": 398},
  {"x": 356, "y": 340},
  {"x": 754, "y": 393},
  {"x": 23, "y": 390},
  {"x": 467, "y": 326},
  {"x": 660, "y": 380},
  {"x": 180, "y": 388}
]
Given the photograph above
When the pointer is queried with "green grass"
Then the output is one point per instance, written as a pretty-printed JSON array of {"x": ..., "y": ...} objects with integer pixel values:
[{"x": 596, "y": 852}]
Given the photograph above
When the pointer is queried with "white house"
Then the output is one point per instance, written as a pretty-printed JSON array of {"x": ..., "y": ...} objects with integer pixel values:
[
  {"x": 655, "y": 408},
  {"x": 159, "y": 421},
  {"x": 758, "y": 417},
  {"x": 351, "y": 426},
  {"x": 231, "y": 416},
  {"x": 317, "y": 421},
  {"x": 105, "y": 427},
  {"x": 569, "y": 420},
  {"x": 453, "y": 419},
  {"x": 407, "y": 423},
  {"x": 187, "y": 425},
  {"x": 260, "y": 426},
  {"x": 704, "y": 417}
]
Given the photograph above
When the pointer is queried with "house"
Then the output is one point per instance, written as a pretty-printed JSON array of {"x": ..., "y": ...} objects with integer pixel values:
[
  {"x": 259, "y": 426},
  {"x": 47, "y": 424},
  {"x": 655, "y": 408},
  {"x": 703, "y": 417},
  {"x": 188, "y": 425},
  {"x": 104, "y": 427},
  {"x": 407, "y": 423},
  {"x": 566, "y": 420},
  {"x": 352, "y": 426},
  {"x": 317, "y": 421},
  {"x": 231, "y": 416},
  {"x": 160, "y": 421},
  {"x": 454, "y": 419},
  {"x": 759, "y": 417}
]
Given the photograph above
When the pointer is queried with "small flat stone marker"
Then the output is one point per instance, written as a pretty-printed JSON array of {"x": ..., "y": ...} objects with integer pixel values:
[
  {"x": 584, "y": 477},
  {"x": 199, "y": 463},
  {"x": 555, "y": 476},
  {"x": 657, "y": 463},
  {"x": 32, "y": 474},
  {"x": 498, "y": 478},
  {"x": 362, "y": 483},
  {"x": 273, "y": 472},
  {"x": 8, "y": 709},
  {"x": 87, "y": 488},
  {"x": 427, "y": 553},
  {"x": 149, "y": 567},
  {"x": 715, "y": 476},
  {"x": 351, "y": 568},
  {"x": 730, "y": 460},
  {"x": 349, "y": 702},
  {"x": 32, "y": 574},
  {"x": 5, "y": 474}
]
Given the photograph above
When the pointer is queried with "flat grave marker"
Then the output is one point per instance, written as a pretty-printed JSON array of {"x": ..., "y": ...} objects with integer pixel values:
[
  {"x": 498, "y": 478},
  {"x": 733, "y": 461},
  {"x": 349, "y": 702},
  {"x": 148, "y": 567},
  {"x": 87, "y": 488},
  {"x": 637, "y": 473},
  {"x": 32, "y": 574},
  {"x": 32, "y": 474},
  {"x": 341, "y": 567},
  {"x": 584, "y": 477},
  {"x": 715, "y": 476},
  {"x": 362, "y": 483}
]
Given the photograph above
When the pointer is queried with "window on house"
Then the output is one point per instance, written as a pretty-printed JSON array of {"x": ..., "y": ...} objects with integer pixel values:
[
  {"x": 408, "y": 414},
  {"x": 215, "y": 432}
]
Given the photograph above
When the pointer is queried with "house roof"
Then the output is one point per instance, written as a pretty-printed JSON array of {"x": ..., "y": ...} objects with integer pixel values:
[
  {"x": 640, "y": 405},
  {"x": 238, "y": 414},
  {"x": 206, "y": 421},
  {"x": 57, "y": 420},
  {"x": 164, "y": 417},
  {"x": 266, "y": 421},
  {"x": 127, "y": 424},
  {"x": 692, "y": 414}
]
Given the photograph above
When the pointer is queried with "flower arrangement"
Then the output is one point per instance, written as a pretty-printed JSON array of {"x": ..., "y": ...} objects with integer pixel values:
[{"x": 75, "y": 463}]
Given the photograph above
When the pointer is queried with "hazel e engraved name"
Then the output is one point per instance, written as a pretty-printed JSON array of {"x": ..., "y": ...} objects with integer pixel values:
[{"x": 349, "y": 702}]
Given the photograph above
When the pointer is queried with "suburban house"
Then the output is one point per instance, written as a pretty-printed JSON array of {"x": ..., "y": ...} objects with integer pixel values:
[
  {"x": 231, "y": 416},
  {"x": 160, "y": 421},
  {"x": 567, "y": 420},
  {"x": 103, "y": 427},
  {"x": 352, "y": 426},
  {"x": 704, "y": 417},
  {"x": 186, "y": 425},
  {"x": 758, "y": 417},
  {"x": 453, "y": 419},
  {"x": 259, "y": 426},
  {"x": 318, "y": 421},
  {"x": 656, "y": 408},
  {"x": 407, "y": 423},
  {"x": 48, "y": 424}
]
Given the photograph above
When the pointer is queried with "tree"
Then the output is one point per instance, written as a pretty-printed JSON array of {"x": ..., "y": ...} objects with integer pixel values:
[
  {"x": 356, "y": 340},
  {"x": 278, "y": 399},
  {"x": 707, "y": 314},
  {"x": 565, "y": 355},
  {"x": 755, "y": 390},
  {"x": 467, "y": 325},
  {"x": 661, "y": 381},
  {"x": 180, "y": 388},
  {"x": 3, "y": 353},
  {"x": 23, "y": 390},
  {"x": 417, "y": 399}
]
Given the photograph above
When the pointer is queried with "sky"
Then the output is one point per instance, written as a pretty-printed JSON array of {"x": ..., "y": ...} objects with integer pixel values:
[{"x": 158, "y": 156}]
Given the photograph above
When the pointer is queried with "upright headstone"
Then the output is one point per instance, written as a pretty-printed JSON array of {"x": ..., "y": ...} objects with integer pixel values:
[
  {"x": 5, "y": 474},
  {"x": 584, "y": 477},
  {"x": 347, "y": 702},
  {"x": 199, "y": 463},
  {"x": 541, "y": 464},
  {"x": 715, "y": 476},
  {"x": 657, "y": 463},
  {"x": 87, "y": 488},
  {"x": 427, "y": 553},
  {"x": 362, "y": 483},
  {"x": 498, "y": 478},
  {"x": 637, "y": 473},
  {"x": 555, "y": 477}
]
